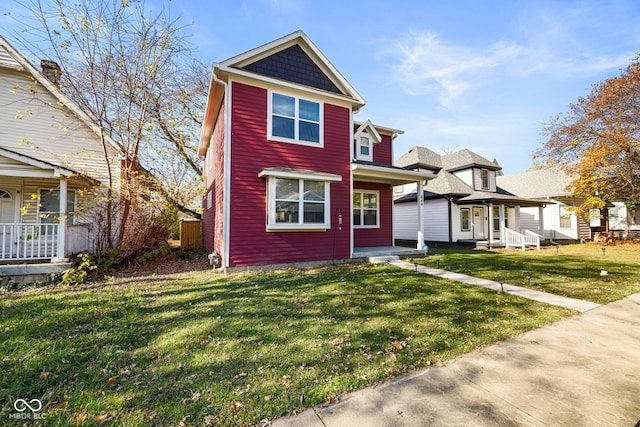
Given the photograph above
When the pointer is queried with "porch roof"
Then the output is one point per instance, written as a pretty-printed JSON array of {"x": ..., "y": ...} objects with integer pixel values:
[
  {"x": 372, "y": 172},
  {"x": 45, "y": 169},
  {"x": 499, "y": 198}
]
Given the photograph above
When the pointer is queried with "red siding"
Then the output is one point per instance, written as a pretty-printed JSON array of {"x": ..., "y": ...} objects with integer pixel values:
[
  {"x": 250, "y": 243},
  {"x": 383, "y": 236},
  {"x": 213, "y": 219},
  {"x": 382, "y": 153}
]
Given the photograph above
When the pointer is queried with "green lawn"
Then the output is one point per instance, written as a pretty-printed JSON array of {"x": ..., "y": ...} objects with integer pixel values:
[
  {"x": 568, "y": 270},
  {"x": 208, "y": 349}
]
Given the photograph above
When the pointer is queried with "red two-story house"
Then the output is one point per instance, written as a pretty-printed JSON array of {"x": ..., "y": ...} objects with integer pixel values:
[{"x": 290, "y": 176}]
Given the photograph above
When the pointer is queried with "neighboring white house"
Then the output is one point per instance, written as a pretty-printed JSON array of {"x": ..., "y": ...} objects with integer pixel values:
[
  {"x": 622, "y": 219},
  {"x": 52, "y": 161},
  {"x": 463, "y": 203},
  {"x": 548, "y": 185}
]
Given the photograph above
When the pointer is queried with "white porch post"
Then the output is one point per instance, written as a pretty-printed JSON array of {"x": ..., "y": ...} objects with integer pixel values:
[
  {"x": 502, "y": 225},
  {"x": 517, "y": 219},
  {"x": 420, "y": 203},
  {"x": 62, "y": 227},
  {"x": 490, "y": 207},
  {"x": 541, "y": 220}
]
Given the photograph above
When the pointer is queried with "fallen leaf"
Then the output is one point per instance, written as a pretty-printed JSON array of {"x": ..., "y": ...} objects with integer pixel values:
[
  {"x": 112, "y": 380},
  {"x": 336, "y": 342},
  {"x": 102, "y": 418},
  {"x": 100, "y": 393},
  {"x": 44, "y": 375},
  {"x": 330, "y": 399},
  {"x": 267, "y": 398},
  {"x": 80, "y": 418}
]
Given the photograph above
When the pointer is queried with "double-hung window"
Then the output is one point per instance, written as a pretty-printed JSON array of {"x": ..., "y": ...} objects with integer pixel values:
[
  {"x": 295, "y": 119},
  {"x": 366, "y": 207},
  {"x": 365, "y": 148},
  {"x": 465, "y": 219},
  {"x": 484, "y": 179},
  {"x": 50, "y": 206},
  {"x": 565, "y": 216}
]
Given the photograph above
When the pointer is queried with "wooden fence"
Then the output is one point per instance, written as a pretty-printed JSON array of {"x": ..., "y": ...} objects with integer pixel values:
[{"x": 190, "y": 234}]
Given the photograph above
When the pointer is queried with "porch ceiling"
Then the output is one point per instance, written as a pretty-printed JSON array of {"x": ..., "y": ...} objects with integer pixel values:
[{"x": 387, "y": 174}]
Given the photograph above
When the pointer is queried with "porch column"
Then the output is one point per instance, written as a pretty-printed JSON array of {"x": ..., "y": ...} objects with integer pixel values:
[
  {"x": 502, "y": 225},
  {"x": 420, "y": 203},
  {"x": 62, "y": 226},
  {"x": 490, "y": 207},
  {"x": 517, "y": 219},
  {"x": 541, "y": 221}
]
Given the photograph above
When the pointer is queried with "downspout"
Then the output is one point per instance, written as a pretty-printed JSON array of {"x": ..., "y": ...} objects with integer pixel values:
[{"x": 227, "y": 170}]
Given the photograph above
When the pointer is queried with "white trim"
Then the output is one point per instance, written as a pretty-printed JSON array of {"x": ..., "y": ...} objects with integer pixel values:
[
  {"x": 360, "y": 145},
  {"x": 56, "y": 171},
  {"x": 226, "y": 199},
  {"x": 296, "y": 118},
  {"x": 362, "y": 192},
  {"x": 388, "y": 175},
  {"x": 299, "y": 174}
]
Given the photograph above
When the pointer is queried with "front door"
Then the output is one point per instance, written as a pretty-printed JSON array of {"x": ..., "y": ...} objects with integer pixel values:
[{"x": 478, "y": 224}]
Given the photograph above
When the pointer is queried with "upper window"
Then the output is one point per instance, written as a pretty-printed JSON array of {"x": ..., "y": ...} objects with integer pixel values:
[
  {"x": 366, "y": 209},
  {"x": 295, "y": 120},
  {"x": 50, "y": 206},
  {"x": 484, "y": 174},
  {"x": 365, "y": 148}
]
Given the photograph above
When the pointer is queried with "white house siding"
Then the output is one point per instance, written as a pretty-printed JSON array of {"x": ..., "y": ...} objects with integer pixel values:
[
  {"x": 529, "y": 220},
  {"x": 466, "y": 176},
  {"x": 436, "y": 227},
  {"x": 34, "y": 124},
  {"x": 405, "y": 218},
  {"x": 457, "y": 233},
  {"x": 620, "y": 218}
]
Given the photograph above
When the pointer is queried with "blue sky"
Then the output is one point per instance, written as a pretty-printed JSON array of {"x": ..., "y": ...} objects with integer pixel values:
[{"x": 482, "y": 75}]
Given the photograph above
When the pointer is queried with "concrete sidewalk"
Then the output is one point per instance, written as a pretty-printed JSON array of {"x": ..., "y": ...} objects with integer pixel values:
[
  {"x": 581, "y": 371},
  {"x": 570, "y": 303}
]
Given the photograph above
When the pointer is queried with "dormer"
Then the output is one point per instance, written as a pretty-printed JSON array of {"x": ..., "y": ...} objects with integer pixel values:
[{"x": 365, "y": 137}]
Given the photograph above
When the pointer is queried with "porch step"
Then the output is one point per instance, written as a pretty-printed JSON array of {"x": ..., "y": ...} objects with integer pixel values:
[
  {"x": 382, "y": 259},
  {"x": 27, "y": 273}
]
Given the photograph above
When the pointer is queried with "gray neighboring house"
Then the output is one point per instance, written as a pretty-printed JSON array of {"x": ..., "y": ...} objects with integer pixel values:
[
  {"x": 552, "y": 186},
  {"x": 463, "y": 203}
]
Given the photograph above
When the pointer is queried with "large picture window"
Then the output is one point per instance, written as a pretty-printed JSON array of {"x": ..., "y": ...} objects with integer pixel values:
[
  {"x": 298, "y": 204},
  {"x": 295, "y": 120},
  {"x": 50, "y": 206},
  {"x": 366, "y": 209}
]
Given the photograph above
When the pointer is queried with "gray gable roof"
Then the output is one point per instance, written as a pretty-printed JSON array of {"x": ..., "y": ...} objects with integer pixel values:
[
  {"x": 464, "y": 159},
  {"x": 294, "y": 65},
  {"x": 538, "y": 183},
  {"x": 420, "y": 157}
]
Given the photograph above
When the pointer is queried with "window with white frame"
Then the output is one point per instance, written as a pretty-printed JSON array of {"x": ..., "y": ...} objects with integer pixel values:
[
  {"x": 366, "y": 209},
  {"x": 365, "y": 148},
  {"x": 297, "y": 203},
  {"x": 484, "y": 178},
  {"x": 465, "y": 219},
  {"x": 49, "y": 206},
  {"x": 565, "y": 216},
  {"x": 294, "y": 119}
]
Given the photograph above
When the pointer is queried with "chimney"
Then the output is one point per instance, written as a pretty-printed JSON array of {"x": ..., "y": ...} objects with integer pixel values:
[{"x": 52, "y": 71}]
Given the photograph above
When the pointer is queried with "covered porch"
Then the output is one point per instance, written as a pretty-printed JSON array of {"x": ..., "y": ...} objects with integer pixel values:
[
  {"x": 372, "y": 231},
  {"x": 37, "y": 211},
  {"x": 496, "y": 219}
]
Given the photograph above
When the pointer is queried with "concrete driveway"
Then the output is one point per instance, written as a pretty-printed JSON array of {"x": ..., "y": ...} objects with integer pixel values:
[{"x": 581, "y": 371}]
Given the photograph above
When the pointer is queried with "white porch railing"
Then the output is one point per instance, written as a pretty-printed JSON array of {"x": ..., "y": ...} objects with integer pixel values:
[
  {"x": 532, "y": 239},
  {"x": 517, "y": 240},
  {"x": 28, "y": 241}
]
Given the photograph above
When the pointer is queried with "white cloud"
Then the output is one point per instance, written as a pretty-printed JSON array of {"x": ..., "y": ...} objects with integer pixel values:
[{"x": 424, "y": 63}]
